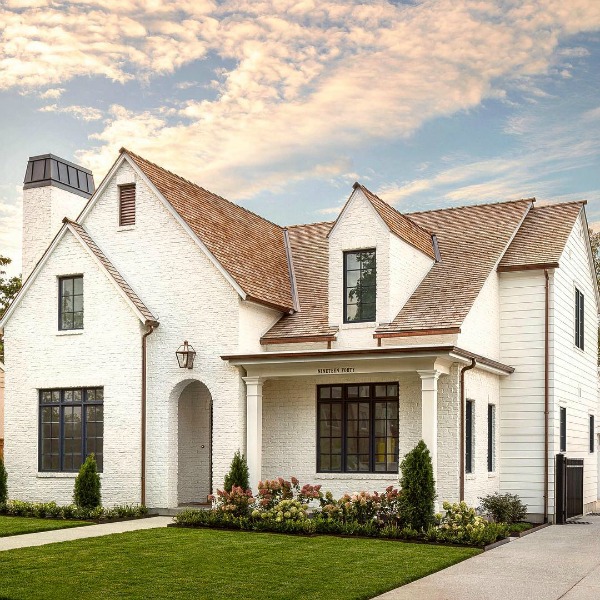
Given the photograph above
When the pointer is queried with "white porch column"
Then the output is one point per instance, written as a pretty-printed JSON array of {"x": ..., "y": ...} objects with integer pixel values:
[
  {"x": 254, "y": 428},
  {"x": 429, "y": 420}
]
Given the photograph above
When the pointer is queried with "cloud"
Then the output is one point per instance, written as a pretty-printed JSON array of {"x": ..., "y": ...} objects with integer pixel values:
[
  {"x": 307, "y": 78},
  {"x": 11, "y": 213},
  {"x": 52, "y": 93},
  {"x": 84, "y": 113}
]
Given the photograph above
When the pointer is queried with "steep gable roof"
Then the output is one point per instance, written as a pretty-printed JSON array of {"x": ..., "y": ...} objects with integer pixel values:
[
  {"x": 472, "y": 239},
  {"x": 141, "y": 310},
  {"x": 542, "y": 237},
  {"x": 250, "y": 248},
  {"x": 310, "y": 256},
  {"x": 399, "y": 224}
]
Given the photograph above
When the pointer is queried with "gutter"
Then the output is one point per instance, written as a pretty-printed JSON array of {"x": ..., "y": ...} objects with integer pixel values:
[
  {"x": 546, "y": 393},
  {"x": 462, "y": 427},
  {"x": 152, "y": 326}
]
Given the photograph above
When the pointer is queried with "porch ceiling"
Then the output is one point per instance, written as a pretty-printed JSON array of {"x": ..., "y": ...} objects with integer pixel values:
[{"x": 368, "y": 360}]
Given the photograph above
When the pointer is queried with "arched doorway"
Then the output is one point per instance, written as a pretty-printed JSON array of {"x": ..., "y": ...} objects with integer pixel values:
[{"x": 194, "y": 444}]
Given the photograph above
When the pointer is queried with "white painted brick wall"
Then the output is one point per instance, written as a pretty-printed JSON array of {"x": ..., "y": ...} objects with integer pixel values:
[{"x": 106, "y": 353}]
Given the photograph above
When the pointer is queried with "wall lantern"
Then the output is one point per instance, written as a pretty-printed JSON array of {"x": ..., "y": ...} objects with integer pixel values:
[{"x": 185, "y": 356}]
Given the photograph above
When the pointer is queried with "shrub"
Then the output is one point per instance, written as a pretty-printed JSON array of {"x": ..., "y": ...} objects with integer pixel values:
[
  {"x": 237, "y": 502},
  {"x": 3, "y": 483},
  {"x": 418, "y": 487},
  {"x": 504, "y": 508},
  {"x": 271, "y": 492},
  {"x": 286, "y": 510},
  {"x": 238, "y": 475},
  {"x": 87, "y": 485},
  {"x": 462, "y": 525}
]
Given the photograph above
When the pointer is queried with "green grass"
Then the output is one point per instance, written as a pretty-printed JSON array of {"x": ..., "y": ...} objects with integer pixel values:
[
  {"x": 196, "y": 564},
  {"x": 19, "y": 525}
]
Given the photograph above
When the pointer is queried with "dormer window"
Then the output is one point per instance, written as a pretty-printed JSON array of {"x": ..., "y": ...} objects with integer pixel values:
[
  {"x": 70, "y": 306},
  {"x": 126, "y": 205},
  {"x": 360, "y": 286}
]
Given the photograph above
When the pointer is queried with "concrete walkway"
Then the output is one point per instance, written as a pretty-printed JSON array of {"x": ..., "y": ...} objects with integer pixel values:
[
  {"x": 562, "y": 561},
  {"x": 79, "y": 533}
]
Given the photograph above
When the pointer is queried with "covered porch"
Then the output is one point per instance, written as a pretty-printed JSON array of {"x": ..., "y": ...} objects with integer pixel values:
[{"x": 292, "y": 399}]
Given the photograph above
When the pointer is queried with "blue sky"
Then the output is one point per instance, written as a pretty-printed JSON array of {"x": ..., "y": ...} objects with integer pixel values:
[{"x": 281, "y": 105}]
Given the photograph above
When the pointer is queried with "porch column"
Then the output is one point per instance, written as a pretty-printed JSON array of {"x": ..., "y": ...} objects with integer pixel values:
[
  {"x": 254, "y": 387},
  {"x": 429, "y": 420}
]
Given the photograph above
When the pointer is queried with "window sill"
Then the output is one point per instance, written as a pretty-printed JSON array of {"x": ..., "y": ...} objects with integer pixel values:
[
  {"x": 362, "y": 475},
  {"x": 470, "y": 476},
  {"x": 492, "y": 475},
  {"x": 361, "y": 325},
  {"x": 70, "y": 332},
  {"x": 58, "y": 475},
  {"x": 125, "y": 227}
]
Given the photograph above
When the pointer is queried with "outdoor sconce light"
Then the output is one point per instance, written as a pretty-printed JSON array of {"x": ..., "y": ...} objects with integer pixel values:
[{"x": 185, "y": 356}]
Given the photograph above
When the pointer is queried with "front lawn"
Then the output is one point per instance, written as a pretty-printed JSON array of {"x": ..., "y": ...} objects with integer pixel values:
[
  {"x": 19, "y": 525},
  {"x": 196, "y": 564}
]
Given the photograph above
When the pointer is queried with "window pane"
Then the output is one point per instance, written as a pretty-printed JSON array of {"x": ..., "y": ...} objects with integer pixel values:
[
  {"x": 392, "y": 390},
  {"x": 325, "y": 462},
  {"x": 336, "y": 392},
  {"x": 352, "y": 391},
  {"x": 78, "y": 303},
  {"x": 336, "y": 411},
  {"x": 324, "y": 410},
  {"x": 68, "y": 396},
  {"x": 67, "y": 321},
  {"x": 325, "y": 392},
  {"x": 380, "y": 391},
  {"x": 56, "y": 396}
]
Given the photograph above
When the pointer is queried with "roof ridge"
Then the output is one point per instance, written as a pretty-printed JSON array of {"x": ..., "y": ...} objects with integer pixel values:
[
  {"x": 125, "y": 150},
  {"x": 569, "y": 202},
  {"x": 309, "y": 224},
  {"x": 421, "y": 212}
]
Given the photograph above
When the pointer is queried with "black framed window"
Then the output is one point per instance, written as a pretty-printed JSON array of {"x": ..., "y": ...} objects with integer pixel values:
[
  {"x": 71, "y": 428},
  {"x": 563, "y": 429},
  {"x": 579, "y": 319},
  {"x": 469, "y": 410},
  {"x": 592, "y": 433},
  {"x": 360, "y": 286},
  {"x": 70, "y": 302},
  {"x": 491, "y": 438},
  {"x": 357, "y": 428}
]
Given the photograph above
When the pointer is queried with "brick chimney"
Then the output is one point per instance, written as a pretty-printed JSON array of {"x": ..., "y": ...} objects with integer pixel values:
[{"x": 53, "y": 188}]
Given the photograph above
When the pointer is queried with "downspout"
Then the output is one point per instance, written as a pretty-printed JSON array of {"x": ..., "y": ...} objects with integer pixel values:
[
  {"x": 462, "y": 427},
  {"x": 546, "y": 393},
  {"x": 151, "y": 326}
]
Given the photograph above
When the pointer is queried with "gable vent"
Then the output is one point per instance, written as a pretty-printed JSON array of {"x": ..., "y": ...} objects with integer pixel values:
[{"x": 127, "y": 204}]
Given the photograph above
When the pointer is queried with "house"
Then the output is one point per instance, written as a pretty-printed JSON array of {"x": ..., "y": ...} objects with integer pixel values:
[
  {"x": 1, "y": 411},
  {"x": 162, "y": 328}
]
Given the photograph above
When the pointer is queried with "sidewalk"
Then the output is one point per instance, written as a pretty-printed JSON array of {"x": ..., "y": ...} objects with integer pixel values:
[
  {"x": 562, "y": 561},
  {"x": 78, "y": 533}
]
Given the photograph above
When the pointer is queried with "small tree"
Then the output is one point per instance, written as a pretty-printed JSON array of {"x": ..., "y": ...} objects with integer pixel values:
[
  {"x": 238, "y": 473},
  {"x": 3, "y": 483},
  {"x": 418, "y": 486},
  {"x": 87, "y": 485}
]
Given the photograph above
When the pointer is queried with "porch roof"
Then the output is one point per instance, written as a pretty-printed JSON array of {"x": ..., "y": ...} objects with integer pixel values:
[{"x": 450, "y": 352}]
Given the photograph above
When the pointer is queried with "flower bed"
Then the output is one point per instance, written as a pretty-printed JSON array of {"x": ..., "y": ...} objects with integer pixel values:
[
  {"x": 51, "y": 510},
  {"x": 284, "y": 507}
]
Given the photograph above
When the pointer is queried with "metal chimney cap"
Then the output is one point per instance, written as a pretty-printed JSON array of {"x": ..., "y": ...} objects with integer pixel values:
[{"x": 48, "y": 169}]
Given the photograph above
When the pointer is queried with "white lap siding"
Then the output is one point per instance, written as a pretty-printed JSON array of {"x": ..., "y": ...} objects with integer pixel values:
[
  {"x": 521, "y": 416},
  {"x": 576, "y": 374},
  {"x": 106, "y": 353}
]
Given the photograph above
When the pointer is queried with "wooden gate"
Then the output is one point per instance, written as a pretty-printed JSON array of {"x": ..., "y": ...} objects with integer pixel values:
[{"x": 569, "y": 488}]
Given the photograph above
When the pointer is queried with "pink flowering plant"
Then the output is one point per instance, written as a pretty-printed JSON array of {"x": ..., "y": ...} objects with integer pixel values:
[{"x": 236, "y": 503}]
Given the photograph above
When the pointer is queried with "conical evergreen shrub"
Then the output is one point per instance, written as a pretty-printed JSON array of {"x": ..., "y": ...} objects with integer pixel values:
[
  {"x": 238, "y": 473},
  {"x": 86, "y": 493},
  {"x": 3, "y": 483},
  {"x": 418, "y": 486}
]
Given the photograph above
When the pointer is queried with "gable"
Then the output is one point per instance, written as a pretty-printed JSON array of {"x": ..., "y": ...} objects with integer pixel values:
[{"x": 250, "y": 251}]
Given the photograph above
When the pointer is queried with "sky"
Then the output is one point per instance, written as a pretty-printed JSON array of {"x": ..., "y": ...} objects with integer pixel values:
[{"x": 280, "y": 105}]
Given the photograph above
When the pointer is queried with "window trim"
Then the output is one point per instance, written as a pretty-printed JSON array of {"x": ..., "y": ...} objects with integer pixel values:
[
  {"x": 346, "y": 253},
  {"x": 61, "y": 405},
  {"x": 562, "y": 434},
  {"x": 469, "y": 436},
  {"x": 491, "y": 442},
  {"x": 344, "y": 400},
  {"x": 579, "y": 319},
  {"x": 62, "y": 279}
]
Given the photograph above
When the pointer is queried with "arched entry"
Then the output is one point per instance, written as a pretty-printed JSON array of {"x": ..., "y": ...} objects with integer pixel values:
[{"x": 194, "y": 437}]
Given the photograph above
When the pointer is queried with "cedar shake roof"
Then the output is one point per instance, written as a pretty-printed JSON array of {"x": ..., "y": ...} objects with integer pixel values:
[
  {"x": 471, "y": 241},
  {"x": 310, "y": 258},
  {"x": 250, "y": 248},
  {"x": 399, "y": 224},
  {"x": 112, "y": 271},
  {"x": 542, "y": 237}
]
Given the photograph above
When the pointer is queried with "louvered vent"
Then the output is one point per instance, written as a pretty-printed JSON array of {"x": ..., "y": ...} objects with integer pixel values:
[{"x": 127, "y": 205}]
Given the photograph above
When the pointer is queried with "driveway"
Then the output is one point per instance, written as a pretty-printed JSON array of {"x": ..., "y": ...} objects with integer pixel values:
[{"x": 562, "y": 561}]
